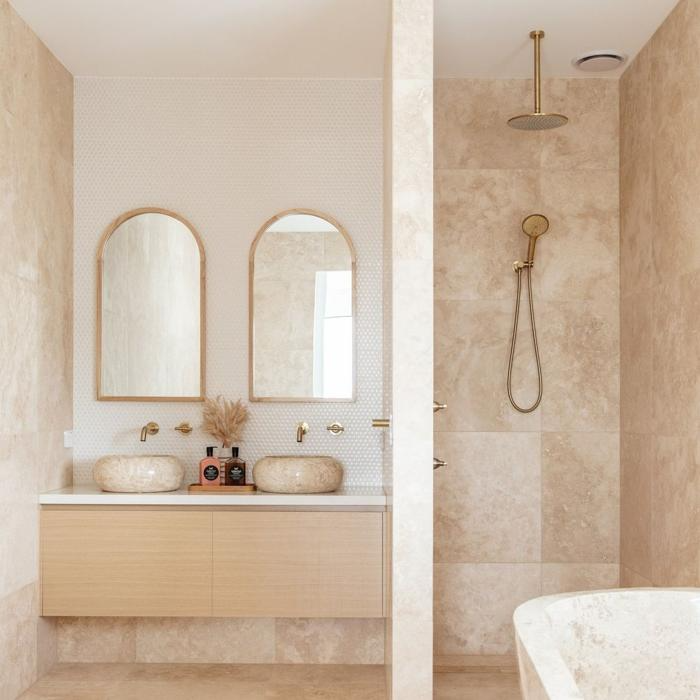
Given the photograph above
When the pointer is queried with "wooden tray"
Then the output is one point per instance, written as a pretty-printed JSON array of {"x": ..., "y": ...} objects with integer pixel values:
[{"x": 199, "y": 488}]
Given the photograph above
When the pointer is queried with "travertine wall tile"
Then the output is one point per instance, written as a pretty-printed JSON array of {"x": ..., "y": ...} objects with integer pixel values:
[
  {"x": 205, "y": 640},
  {"x": 580, "y": 497},
  {"x": 578, "y": 258},
  {"x": 563, "y": 578},
  {"x": 471, "y": 130},
  {"x": 36, "y": 243},
  {"x": 637, "y": 464},
  {"x": 636, "y": 177},
  {"x": 675, "y": 519},
  {"x": 579, "y": 344},
  {"x": 631, "y": 579},
  {"x": 636, "y": 354},
  {"x": 675, "y": 84},
  {"x": 171, "y": 640},
  {"x": 477, "y": 218},
  {"x": 96, "y": 639},
  {"x": 474, "y": 606},
  {"x": 19, "y": 614},
  {"x": 410, "y": 232},
  {"x": 675, "y": 363},
  {"x": 472, "y": 339},
  {"x": 327, "y": 641},
  {"x": 488, "y": 474},
  {"x": 590, "y": 141}
]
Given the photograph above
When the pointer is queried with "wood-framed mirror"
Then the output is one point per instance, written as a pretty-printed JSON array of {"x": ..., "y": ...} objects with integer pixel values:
[
  {"x": 151, "y": 309},
  {"x": 303, "y": 310}
]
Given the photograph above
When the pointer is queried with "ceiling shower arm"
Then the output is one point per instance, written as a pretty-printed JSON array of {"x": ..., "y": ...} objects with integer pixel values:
[{"x": 537, "y": 36}]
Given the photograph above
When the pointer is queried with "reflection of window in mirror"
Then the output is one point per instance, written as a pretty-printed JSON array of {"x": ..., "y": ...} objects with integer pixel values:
[{"x": 333, "y": 334}]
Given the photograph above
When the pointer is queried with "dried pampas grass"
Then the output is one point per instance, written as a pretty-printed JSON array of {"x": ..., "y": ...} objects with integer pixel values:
[{"x": 224, "y": 420}]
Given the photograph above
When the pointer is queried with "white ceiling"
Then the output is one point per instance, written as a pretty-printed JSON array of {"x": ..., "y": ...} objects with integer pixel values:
[
  {"x": 490, "y": 38},
  {"x": 210, "y": 38},
  {"x": 328, "y": 38}
]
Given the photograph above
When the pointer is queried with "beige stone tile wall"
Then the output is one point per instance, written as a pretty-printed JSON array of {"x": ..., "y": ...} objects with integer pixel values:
[
  {"x": 36, "y": 344},
  {"x": 408, "y": 246},
  {"x": 529, "y": 504},
  {"x": 221, "y": 640},
  {"x": 660, "y": 281}
]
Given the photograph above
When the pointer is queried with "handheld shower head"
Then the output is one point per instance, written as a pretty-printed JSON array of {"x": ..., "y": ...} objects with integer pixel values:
[{"x": 534, "y": 226}]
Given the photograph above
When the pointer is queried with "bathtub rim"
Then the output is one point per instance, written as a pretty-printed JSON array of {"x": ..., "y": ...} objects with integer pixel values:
[{"x": 533, "y": 634}]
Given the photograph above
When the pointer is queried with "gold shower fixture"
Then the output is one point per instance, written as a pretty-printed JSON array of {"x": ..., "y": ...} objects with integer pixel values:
[
  {"x": 534, "y": 226},
  {"x": 537, "y": 120}
]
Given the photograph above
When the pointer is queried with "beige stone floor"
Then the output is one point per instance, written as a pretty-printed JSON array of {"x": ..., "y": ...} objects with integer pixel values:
[{"x": 251, "y": 682}]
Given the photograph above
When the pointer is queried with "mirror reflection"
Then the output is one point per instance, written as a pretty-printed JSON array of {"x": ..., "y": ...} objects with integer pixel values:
[
  {"x": 302, "y": 310},
  {"x": 150, "y": 308}
]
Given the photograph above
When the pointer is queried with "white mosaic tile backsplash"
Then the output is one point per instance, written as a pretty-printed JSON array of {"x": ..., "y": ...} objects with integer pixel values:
[{"x": 227, "y": 155}]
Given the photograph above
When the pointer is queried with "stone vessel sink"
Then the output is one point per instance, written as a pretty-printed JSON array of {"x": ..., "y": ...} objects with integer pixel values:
[
  {"x": 138, "y": 473},
  {"x": 298, "y": 474}
]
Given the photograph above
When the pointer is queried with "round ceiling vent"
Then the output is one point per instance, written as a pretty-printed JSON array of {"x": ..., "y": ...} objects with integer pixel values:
[{"x": 599, "y": 61}]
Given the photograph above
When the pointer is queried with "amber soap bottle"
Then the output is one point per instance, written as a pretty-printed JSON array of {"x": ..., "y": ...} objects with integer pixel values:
[
  {"x": 235, "y": 469},
  {"x": 209, "y": 469}
]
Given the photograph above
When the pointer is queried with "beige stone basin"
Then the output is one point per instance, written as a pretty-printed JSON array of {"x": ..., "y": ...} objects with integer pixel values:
[
  {"x": 138, "y": 473},
  {"x": 298, "y": 474}
]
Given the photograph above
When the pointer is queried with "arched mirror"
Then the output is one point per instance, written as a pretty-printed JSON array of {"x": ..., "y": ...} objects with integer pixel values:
[
  {"x": 302, "y": 310},
  {"x": 150, "y": 309}
]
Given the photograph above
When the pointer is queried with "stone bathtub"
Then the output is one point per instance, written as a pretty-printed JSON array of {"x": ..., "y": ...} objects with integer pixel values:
[{"x": 636, "y": 644}]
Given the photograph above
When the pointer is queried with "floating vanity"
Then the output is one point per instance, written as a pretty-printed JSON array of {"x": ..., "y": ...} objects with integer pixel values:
[{"x": 243, "y": 555}]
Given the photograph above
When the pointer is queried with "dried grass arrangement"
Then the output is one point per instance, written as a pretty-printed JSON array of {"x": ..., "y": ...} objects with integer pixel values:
[{"x": 224, "y": 419}]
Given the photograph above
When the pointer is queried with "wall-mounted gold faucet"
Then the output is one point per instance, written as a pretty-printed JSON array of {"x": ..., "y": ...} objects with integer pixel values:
[
  {"x": 302, "y": 429},
  {"x": 150, "y": 428}
]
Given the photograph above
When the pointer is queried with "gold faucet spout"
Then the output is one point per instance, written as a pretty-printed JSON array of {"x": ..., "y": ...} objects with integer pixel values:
[
  {"x": 150, "y": 428},
  {"x": 302, "y": 429}
]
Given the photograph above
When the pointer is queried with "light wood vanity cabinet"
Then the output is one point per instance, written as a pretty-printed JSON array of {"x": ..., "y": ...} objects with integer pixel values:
[
  {"x": 298, "y": 564},
  {"x": 192, "y": 562},
  {"x": 97, "y": 562}
]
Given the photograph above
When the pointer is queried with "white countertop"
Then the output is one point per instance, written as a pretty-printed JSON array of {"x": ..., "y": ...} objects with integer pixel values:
[{"x": 91, "y": 495}]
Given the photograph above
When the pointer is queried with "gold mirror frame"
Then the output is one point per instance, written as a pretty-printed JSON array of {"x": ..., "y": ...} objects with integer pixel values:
[
  {"x": 251, "y": 310},
  {"x": 202, "y": 307}
]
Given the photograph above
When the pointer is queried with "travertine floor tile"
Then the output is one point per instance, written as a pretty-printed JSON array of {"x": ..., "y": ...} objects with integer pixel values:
[
  {"x": 477, "y": 685},
  {"x": 209, "y": 682},
  {"x": 253, "y": 682}
]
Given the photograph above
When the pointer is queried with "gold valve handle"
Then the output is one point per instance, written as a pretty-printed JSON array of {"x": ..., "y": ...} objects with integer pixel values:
[
  {"x": 437, "y": 463},
  {"x": 185, "y": 428},
  {"x": 437, "y": 406},
  {"x": 335, "y": 428}
]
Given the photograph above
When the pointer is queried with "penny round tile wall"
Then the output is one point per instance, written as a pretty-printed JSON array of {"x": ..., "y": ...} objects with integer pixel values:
[{"x": 227, "y": 155}]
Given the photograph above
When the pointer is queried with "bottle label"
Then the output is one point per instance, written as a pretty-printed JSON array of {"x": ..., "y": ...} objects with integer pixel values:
[
  {"x": 211, "y": 473},
  {"x": 236, "y": 476}
]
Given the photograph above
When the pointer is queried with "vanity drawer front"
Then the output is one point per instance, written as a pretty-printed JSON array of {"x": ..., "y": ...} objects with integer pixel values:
[
  {"x": 298, "y": 564},
  {"x": 126, "y": 562}
]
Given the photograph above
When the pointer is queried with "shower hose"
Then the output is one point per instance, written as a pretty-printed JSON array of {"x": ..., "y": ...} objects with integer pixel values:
[{"x": 519, "y": 270}]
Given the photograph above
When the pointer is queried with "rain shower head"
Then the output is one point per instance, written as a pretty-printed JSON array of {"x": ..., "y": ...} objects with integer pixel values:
[
  {"x": 534, "y": 226},
  {"x": 537, "y": 120}
]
